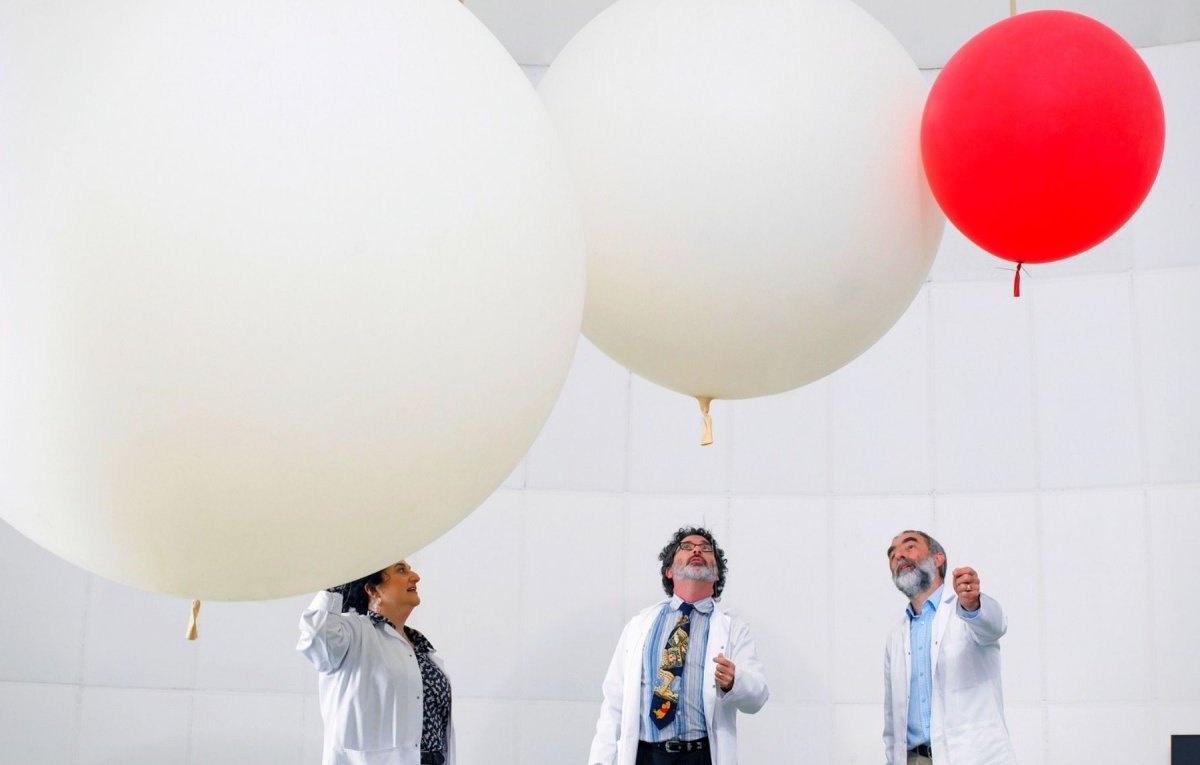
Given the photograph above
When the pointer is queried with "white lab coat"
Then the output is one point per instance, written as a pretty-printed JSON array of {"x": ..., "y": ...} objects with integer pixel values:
[
  {"x": 967, "y": 709},
  {"x": 369, "y": 686},
  {"x": 616, "y": 737}
]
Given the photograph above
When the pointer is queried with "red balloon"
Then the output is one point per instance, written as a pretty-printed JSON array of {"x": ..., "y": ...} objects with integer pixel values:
[{"x": 1042, "y": 136}]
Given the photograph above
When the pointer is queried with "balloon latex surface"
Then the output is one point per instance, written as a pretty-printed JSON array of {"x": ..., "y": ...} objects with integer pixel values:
[
  {"x": 1042, "y": 136},
  {"x": 754, "y": 205},
  {"x": 286, "y": 288}
]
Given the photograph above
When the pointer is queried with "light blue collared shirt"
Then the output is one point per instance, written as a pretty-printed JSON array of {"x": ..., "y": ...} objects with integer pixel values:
[
  {"x": 688, "y": 724},
  {"x": 920, "y": 682}
]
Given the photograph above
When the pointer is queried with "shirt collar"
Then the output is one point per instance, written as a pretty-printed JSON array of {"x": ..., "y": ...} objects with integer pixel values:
[
  {"x": 420, "y": 643},
  {"x": 704, "y": 606},
  {"x": 932, "y": 602}
]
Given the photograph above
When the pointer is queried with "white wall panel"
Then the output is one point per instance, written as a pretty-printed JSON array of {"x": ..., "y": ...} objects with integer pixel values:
[
  {"x": 1027, "y": 730},
  {"x": 486, "y": 731},
  {"x": 857, "y": 733},
  {"x": 781, "y": 443},
  {"x": 39, "y": 723},
  {"x": 247, "y": 728},
  {"x": 134, "y": 727},
  {"x": 40, "y": 589},
  {"x": 982, "y": 389},
  {"x": 783, "y": 733},
  {"x": 570, "y": 598},
  {"x": 1174, "y": 574},
  {"x": 557, "y": 731},
  {"x": 1092, "y": 734},
  {"x": 1088, "y": 413},
  {"x": 1168, "y": 322},
  {"x": 240, "y": 644},
  {"x": 583, "y": 444},
  {"x": 137, "y": 639},
  {"x": 880, "y": 404},
  {"x": 312, "y": 735},
  {"x": 1097, "y": 597}
]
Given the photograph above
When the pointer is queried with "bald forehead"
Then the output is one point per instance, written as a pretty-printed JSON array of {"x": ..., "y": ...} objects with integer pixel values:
[{"x": 902, "y": 538}]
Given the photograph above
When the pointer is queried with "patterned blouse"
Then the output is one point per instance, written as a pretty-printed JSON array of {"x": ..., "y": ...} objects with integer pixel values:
[{"x": 435, "y": 713}]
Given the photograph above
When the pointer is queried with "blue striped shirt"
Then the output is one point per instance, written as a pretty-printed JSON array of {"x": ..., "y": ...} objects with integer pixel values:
[{"x": 688, "y": 724}]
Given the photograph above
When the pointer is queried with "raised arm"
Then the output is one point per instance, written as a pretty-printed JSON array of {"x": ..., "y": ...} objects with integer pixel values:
[
  {"x": 325, "y": 634},
  {"x": 983, "y": 614}
]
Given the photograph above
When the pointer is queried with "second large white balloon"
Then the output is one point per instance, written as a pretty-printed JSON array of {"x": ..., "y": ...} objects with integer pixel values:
[{"x": 754, "y": 204}]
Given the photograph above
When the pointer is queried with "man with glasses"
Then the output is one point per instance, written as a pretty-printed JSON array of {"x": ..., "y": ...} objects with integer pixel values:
[
  {"x": 942, "y": 699},
  {"x": 682, "y": 670}
]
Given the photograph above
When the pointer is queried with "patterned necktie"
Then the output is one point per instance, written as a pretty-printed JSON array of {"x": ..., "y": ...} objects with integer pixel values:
[{"x": 666, "y": 698}]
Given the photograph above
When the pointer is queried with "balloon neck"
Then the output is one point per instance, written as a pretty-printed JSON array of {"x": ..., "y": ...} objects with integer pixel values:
[
  {"x": 706, "y": 436},
  {"x": 1017, "y": 281},
  {"x": 191, "y": 630}
]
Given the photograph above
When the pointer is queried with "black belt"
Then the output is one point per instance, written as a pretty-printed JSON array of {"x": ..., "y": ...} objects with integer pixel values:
[
  {"x": 922, "y": 750},
  {"x": 675, "y": 746},
  {"x": 433, "y": 758}
]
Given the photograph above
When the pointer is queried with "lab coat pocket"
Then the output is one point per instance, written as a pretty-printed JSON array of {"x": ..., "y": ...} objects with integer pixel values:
[{"x": 962, "y": 666}]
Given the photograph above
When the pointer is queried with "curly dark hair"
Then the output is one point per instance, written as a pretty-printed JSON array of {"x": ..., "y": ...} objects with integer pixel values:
[
  {"x": 667, "y": 557},
  {"x": 354, "y": 594}
]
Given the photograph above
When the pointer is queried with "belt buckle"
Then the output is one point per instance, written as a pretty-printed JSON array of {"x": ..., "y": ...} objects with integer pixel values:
[{"x": 673, "y": 747}]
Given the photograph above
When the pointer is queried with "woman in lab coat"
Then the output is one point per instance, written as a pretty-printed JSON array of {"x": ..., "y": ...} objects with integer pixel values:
[{"x": 385, "y": 696}]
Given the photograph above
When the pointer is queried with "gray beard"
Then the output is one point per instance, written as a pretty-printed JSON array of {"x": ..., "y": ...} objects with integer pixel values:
[
  {"x": 916, "y": 579},
  {"x": 698, "y": 573}
]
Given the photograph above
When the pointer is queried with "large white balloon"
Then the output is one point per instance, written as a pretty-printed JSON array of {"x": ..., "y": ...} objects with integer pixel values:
[
  {"x": 754, "y": 206},
  {"x": 287, "y": 287}
]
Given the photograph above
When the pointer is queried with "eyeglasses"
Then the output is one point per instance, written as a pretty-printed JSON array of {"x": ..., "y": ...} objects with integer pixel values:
[{"x": 689, "y": 547}]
